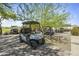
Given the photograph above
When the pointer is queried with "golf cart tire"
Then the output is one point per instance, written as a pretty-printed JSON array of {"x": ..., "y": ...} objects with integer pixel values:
[
  {"x": 34, "y": 44},
  {"x": 43, "y": 41},
  {"x": 20, "y": 39}
]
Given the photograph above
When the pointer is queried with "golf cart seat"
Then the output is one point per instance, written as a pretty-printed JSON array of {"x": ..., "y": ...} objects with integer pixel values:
[{"x": 25, "y": 30}]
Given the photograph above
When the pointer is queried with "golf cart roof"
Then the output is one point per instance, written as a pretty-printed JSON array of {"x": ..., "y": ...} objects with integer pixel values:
[
  {"x": 31, "y": 22},
  {"x": 14, "y": 27}
]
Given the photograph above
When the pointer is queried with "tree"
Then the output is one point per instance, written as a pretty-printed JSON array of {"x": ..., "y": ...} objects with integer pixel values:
[
  {"x": 53, "y": 15},
  {"x": 5, "y": 13},
  {"x": 27, "y": 11}
]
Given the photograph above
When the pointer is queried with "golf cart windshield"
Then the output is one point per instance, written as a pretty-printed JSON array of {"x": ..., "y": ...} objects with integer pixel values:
[{"x": 32, "y": 25}]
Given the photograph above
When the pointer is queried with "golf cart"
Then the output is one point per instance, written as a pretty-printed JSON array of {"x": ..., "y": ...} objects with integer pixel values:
[
  {"x": 31, "y": 34},
  {"x": 48, "y": 30},
  {"x": 14, "y": 30}
]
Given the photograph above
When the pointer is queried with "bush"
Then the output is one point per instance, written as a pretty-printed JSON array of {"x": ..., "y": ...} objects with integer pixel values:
[
  {"x": 75, "y": 31},
  {"x": 6, "y": 33}
]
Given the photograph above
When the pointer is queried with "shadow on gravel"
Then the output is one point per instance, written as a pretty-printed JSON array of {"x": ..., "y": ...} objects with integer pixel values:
[
  {"x": 27, "y": 51},
  {"x": 12, "y": 47}
]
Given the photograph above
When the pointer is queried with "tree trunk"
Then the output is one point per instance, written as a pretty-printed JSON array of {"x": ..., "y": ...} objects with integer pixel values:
[{"x": 0, "y": 27}]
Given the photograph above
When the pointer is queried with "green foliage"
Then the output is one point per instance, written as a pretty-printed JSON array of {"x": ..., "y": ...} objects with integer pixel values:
[
  {"x": 54, "y": 19},
  {"x": 53, "y": 15},
  {"x": 5, "y": 29},
  {"x": 75, "y": 31},
  {"x": 6, "y": 12}
]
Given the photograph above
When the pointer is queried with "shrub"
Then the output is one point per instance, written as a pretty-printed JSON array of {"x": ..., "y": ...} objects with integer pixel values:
[
  {"x": 6, "y": 33},
  {"x": 75, "y": 31}
]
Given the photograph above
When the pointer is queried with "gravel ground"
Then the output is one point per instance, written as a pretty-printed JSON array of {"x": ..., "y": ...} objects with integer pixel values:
[
  {"x": 10, "y": 46},
  {"x": 74, "y": 45}
]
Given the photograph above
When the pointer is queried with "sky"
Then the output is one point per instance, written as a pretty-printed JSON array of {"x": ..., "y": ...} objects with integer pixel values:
[
  {"x": 72, "y": 8},
  {"x": 74, "y": 13}
]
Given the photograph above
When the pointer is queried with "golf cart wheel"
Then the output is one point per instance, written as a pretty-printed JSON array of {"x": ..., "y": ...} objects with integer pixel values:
[
  {"x": 20, "y": 39},
  {"x": 43, "y": 41},
  {"x": 34, "y": 44}
]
